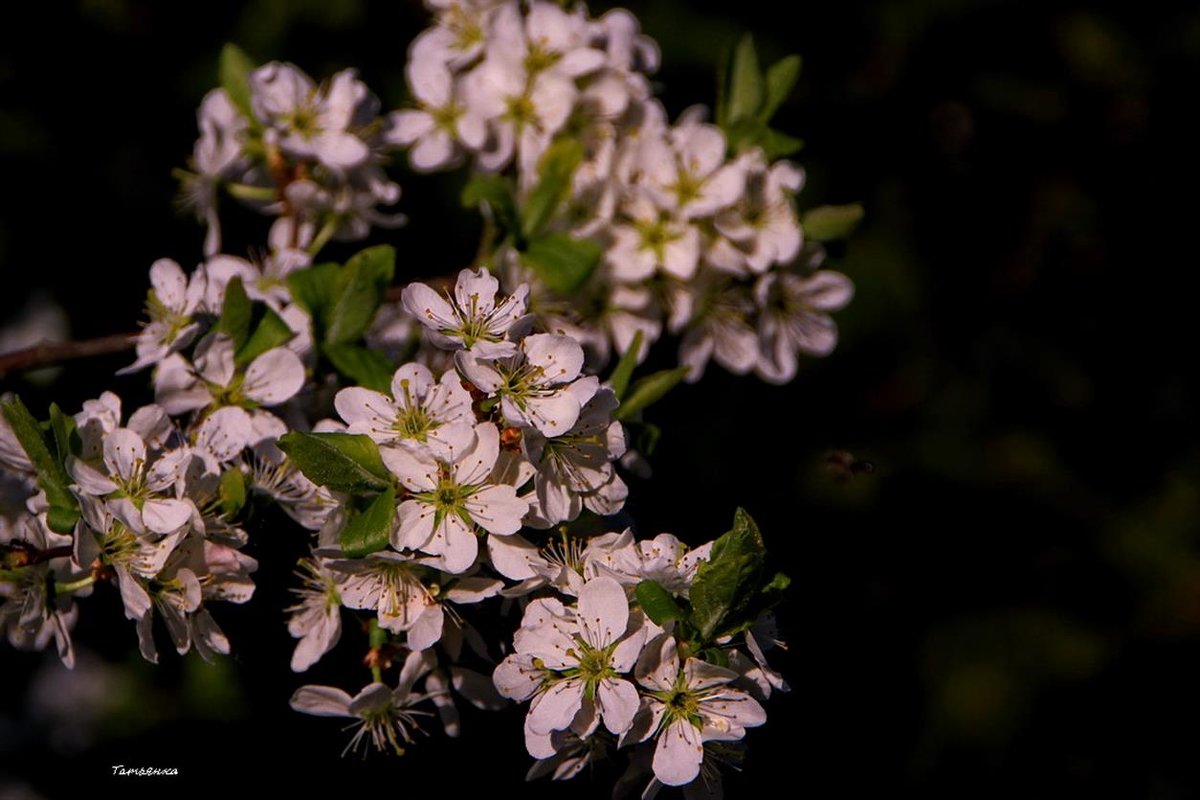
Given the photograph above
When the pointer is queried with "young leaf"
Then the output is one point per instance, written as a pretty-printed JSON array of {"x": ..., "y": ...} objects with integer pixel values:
[
  {"x": 727, "y": 583},
  {"x": 271, "y": 332},
  {"x": 657, "y": 602},
  {"x": 643, "y": 437},
  {"x": 499, "y": 195},
  {"x": 648, "y": 391},
  {"x": 781, "y": 77},
  {"x": 776, "y": 144},
  {"x": 619, "y": 379},
  {"x": 562, "y": 262},
  {"x": 232, "y": 491},
  {"x": 369, "y": 530},
  {"x": 344, "y": 462},
  {"x": 234, "y": 70},
  {"x": 746, "y": 83},
  {"x": 359, "y": 289},
  {"x": 236, "y": 313},
  {"x": 365, "y": 367},
  {"x": 66, "y": 437},
  {"x": 555, "y": 171},
  {"x": 51, "y": 474},
  {"x": 826, "y": 223}
]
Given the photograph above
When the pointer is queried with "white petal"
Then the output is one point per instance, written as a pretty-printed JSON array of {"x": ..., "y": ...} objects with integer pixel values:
[
  {"x": 430, "y": 309},
  {"x": 170, "y": 284},
  {"x": 679, "y": 753},
  {"x": 553, "y": 709},
  {"x": 658, "y": 666},
  {"x": 517, "y": 678},
  {"x": 166, "y": 516},
  {"x": 274, "y": 377},
  {"x": 497, "y": 509},
  {"x": 124, "y": 452},
  {"x": 321, "y": 701},
  {"x": 414, "y": 525},
  {"x": 603, "y": 611},
  {"x": 619, "y": 703}
]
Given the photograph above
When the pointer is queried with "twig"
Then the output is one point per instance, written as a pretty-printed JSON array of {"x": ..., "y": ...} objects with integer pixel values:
[{"x": 47, "y": 354}]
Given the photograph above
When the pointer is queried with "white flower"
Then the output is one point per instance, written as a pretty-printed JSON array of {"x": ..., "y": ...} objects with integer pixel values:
[
  {"x": 685, "y": 708},
  {"x": 471, "y": 319},
  {"x": 650, "y": 239},
  {"x": 664, "y": 559},
  {"x": 795, "y": 319},
  {"x": 719, "y": 329},
  {"x": 32, "y": 613},
  {"x": 536, "y": 386},
  {"x": 434, "y": 129},
  {"x": 574, "y": 469},
  {"x": 269, "y": 380},
  {"x": 449, "y": 497},
  {"x": 687, "y": 174},
  {"x": 313, "y": 123},
  {"x": 761, "y": 229},
  {"x": 216, "y": 156},
  {"x": 171, "y": 305},
  {"x": 419, "y": 413},
  {"x": 131, "y": 486},
  {"x": 385, "y": 715},
  {"x": 316, "y": 619},
  {"x": 565, "y": 657}
]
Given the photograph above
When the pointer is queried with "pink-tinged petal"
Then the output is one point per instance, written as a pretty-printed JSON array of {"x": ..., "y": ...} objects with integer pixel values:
[
  {"x": 625, "y": 655},
  {"x": 416, "y": 470},
  {"x": 720, "y": 191},
  {"x": 559, "y": 357},
  {"x": 512, "y": 557},
  {"x": 473, "y": 465},
  {"x": 410, "y": 385},
  {"x": 603, "y": 611},
  {"x": 124, "y": 453},
  {"x": 553, "y": 414},
  {"x": 581, "y": 61},
  {"x": 274, "y": 377},
  {"x": 645, "y": 723},
  {"x": 429, "y": 79},
  {"x": 541, "y": 745},
  {"x": 366, "y": 411},
  {"x": 169, "y": 283},
  {"x": 472, "y": 129},
  {"x": 658, "y": 666},
  {"x": 414, "y": 525},
  {"x": 473, "y": 590},
  {"x": 480, "y": 372},
  {"x": 373, "y": 698},
  {"x": 166, "y": 516},
  {"x": 427, "y": 629},
  {"x": 619, "y": 703},
  {"x": 456, "y": 543},
  {"x": 517, "y": 678},
  {"x": 127, "y": 512},
  {"x": 408, "y": 126},
  {"x": 727, "y": 715},
  {"x": 475, "y": 292},
  {"x": 679, "y": 753},
  {"x": 90, "y": 480},
  {"x": 432, "y": 151},
  {"x": 318, "y": 641},
  {"x": 214, "y": 360},
  {"x": 828, "y": 291},
  {"x": 701, "y": 147},
  {"x": 497, "y": 509},
  {"x": 430, "y": 308},
  {"x": 703, "y": 675},
  {"x": 340, "y": 149},
  {"x": 224, "y": 434},
  {"x": 137, "y": 602},
  {"x": 555, "y": 708},
  {"x": 478, "y": 690},
  {"x": 680, "y": 256}
]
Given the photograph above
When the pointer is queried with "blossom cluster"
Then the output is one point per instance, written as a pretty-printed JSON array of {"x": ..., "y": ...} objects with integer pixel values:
[
  {"x": 699, "y": 239},
  {"x": 450, "y": 447}
]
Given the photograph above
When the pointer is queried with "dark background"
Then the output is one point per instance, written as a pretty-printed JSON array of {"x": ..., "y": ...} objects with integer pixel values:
[{"x": 1008, "y": 603}]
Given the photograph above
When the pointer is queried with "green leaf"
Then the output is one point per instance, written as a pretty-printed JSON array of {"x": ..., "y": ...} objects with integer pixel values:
[
  {"x": 619, "y": 379},
  {"x": 236, "y": 313},
  {"x": 726, "y": 584},
  {"x": 368, "y": 368},
  {"x": 562, "y": 262},
  {"x": 746, "y": 82},
  {"x": 344, "y": 462},
  {"x": 781, "y": 77},
  {"x": 66, "y": 435},
  {"x": 234, "y": 71},
  {"x": 359, "y": 289},
  {"x": 271, "y": 332},
  {"x": 776, "y": 144},
  {"x": 499, "y": 195},
  {"x": 232, "y": 491},
  {"x": 658, "y": 603},
  {"x": 51, "y": 474},
  {"x": 369, "y": 530},
  {"x": 826, "y": 223},
  {"x": 715, "y": 655},
  {"x": 312, "y": 289},
  {"x": 555, "y": 170},
  {"x": 644, "y": 437},
  {"x": 649, "y": 390}
]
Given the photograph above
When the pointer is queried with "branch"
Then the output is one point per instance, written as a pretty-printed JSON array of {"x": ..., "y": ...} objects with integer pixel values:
[{"x": 48, "y": 354}]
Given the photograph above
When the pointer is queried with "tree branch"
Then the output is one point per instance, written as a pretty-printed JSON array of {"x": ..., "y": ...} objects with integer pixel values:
[{"x": 48, "y": 354}]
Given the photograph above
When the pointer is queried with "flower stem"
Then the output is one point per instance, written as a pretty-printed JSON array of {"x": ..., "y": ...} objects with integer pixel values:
[
  {"x": 324, "y": 235},
  {"x": 74, "y": 586}
]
